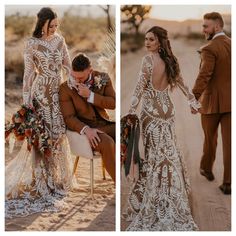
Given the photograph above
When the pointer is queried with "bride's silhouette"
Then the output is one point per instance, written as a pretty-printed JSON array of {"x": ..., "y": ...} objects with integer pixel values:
[
  {"x": 159, "y": 200},
  {"x": 36, "y": 182}
]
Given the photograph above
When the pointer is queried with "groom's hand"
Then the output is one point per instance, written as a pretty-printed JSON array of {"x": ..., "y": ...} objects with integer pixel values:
[
  {"x": 92, "y": 135},
  {"x": 84, "y": 91}
]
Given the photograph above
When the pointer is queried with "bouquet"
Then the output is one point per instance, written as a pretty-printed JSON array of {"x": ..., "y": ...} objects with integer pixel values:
[
  {"x": 28, "y": 124},
  {"x": 130, "y": 133}
]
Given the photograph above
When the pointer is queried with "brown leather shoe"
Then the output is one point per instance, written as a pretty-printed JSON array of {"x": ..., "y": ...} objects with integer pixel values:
[
  {"x": 208, "y": 175},
  {"x": 225, "y": 188}
]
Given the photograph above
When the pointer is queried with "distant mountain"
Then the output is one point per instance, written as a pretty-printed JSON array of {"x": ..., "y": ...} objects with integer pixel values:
[{"x": 181, "y": 27}]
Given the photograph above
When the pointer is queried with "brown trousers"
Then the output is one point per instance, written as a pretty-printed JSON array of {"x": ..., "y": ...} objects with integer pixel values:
[
  {"x": 210, "y": 124},
  {"x": 107, "y": 148}
]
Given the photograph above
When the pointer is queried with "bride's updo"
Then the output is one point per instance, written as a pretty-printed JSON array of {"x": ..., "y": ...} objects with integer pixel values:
[
  {"x": 46, "y": 13},
  {"x": 171, "y": 62}
]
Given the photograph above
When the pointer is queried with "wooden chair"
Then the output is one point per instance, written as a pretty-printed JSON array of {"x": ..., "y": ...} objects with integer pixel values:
[{"x": 80, "y": 147}]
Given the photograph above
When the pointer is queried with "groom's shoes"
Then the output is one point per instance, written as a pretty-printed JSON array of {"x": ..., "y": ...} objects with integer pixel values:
[
  {"x": 208, "y": 175},
  {"x": 225, "y": 188}
]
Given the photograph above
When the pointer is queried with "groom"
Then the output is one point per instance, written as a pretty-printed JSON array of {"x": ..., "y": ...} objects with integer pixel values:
[
  {"x": 213, "y": 89},
  {"x": 83, "y": 100}
]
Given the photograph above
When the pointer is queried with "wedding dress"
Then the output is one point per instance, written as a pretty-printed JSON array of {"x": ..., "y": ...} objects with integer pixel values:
[
  {"x": 159, "y": 199},
  {"x": 35, "y": 183}
]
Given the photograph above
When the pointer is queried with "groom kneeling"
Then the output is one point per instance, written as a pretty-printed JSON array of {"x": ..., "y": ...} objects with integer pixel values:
[{"x": 83, "y": 100}]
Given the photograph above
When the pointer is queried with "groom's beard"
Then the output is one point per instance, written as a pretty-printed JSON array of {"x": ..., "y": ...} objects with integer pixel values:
[{"x": 210, "y": 36}]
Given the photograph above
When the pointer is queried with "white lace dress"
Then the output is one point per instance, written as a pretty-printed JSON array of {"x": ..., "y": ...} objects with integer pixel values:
[
  {"x": 35, "y": 183},
  {"x": 159, "y": 199}
]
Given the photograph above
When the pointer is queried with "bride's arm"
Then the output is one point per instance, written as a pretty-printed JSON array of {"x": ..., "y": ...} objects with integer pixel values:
[
  {"x": 140, "y": 86},
  {"x": 194, "y": 104},
  {"x": 66, "y": 61},
  {"x": 29, "y": 72}
]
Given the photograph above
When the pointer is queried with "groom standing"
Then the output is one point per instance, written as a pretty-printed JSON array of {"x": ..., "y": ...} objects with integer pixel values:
[
  {"x": 213, "y": 89},
  {"x": 83, "y": 100}
]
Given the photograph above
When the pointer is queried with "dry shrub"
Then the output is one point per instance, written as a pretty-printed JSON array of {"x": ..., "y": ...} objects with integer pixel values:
[{"x": 82, "y": 34}]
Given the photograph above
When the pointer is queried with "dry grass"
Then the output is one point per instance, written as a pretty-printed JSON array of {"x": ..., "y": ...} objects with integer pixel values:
[{"x": 82, "y": 34}]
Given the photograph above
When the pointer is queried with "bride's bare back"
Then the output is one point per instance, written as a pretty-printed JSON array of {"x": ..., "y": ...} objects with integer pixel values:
[{"x": 159, "y": 76}]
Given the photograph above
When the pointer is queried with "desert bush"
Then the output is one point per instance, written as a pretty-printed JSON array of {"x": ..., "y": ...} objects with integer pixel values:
[
  {"x": 77, "y": 30},
  {"x": 14, "y": 63},
  {"x": 131, "y": 42},
  {"x": 82, "y": 34},
  {"x": 195, "y": 35},
  {"x": 21, "y": 26}
]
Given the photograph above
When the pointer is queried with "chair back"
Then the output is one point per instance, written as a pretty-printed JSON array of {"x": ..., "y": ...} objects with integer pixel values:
[{"x": 79, "y": 144}]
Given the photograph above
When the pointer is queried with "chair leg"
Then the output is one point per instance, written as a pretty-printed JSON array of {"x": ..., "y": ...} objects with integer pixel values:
[
  {"x": 91, "y": 176},
  {"x": 103, "y": 171},
  {"x": 75, "y": 165}
]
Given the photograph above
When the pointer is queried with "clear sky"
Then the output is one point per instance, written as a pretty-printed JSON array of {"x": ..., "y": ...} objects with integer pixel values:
[{"x": 183, "y": 12}]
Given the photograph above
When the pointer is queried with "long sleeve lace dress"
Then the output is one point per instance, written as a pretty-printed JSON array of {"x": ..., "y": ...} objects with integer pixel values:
[
  {"x": 34, "y": 182},
  {"x": 159, "y": 199}
]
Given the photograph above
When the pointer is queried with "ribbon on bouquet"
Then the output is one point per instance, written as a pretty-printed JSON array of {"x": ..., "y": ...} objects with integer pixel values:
[{"x": 130, "y": 134}]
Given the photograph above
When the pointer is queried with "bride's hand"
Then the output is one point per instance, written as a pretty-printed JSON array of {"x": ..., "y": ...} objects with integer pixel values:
[
  {"x": 193, "y": 111},
  {"x": 194, "y": 105}
]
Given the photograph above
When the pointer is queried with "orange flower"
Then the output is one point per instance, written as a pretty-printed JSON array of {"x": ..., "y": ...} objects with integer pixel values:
[
  {"x": 123, "y": 147},
  {"x": 17, "y": 119},
  {"x": 22, "y": 111},
  {"x": 7, "y": 133},
  {"x": 126, "y": 131},
  {"x": 36, "y": 142},
  {"x": 15, "y": 131},
  {"x": 47, "y": 152},
  {"x": 20, "y": 137},
  {"x": 29, "y": 147},
  {"x": 28, "y": 132}
]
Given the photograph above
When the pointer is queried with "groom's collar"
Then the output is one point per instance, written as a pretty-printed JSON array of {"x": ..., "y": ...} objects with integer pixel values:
[
  {"x": 218, "y": 34},
  {"x": 89, "y": 78}
]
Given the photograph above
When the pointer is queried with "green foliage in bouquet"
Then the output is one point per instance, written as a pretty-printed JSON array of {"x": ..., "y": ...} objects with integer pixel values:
[{"x": 28, "y": 124}]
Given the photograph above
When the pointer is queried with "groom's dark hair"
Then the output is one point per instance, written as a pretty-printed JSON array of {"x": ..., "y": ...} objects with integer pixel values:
[
  {"x": 81, "y": 62},
  {"x": 216, "y": 16}
]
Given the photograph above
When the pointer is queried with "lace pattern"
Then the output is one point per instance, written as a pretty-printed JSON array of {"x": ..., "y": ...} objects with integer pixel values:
[
  {"x": 159, "y": 200},
  {"x": 35, "y": 183}
]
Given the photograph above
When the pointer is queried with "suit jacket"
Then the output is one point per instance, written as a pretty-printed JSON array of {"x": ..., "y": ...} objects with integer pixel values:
[
  {"x": 213, "y": 84},
  {"x": 77, "y": 112}
]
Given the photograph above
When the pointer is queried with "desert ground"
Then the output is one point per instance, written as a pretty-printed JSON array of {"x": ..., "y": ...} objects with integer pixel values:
[
  {"x": 82, "y": 212},
  {"x": 211, "y": 209}
]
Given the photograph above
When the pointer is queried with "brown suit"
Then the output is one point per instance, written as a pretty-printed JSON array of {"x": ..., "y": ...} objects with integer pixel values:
[
  {"x": 77, "y": 113},
  {"x": 213, "y": 89}
]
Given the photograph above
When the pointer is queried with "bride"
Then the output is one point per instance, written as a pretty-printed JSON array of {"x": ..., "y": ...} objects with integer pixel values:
[
  {"x": 159, "y": 201},
  {"x": 36, "y": 182}
]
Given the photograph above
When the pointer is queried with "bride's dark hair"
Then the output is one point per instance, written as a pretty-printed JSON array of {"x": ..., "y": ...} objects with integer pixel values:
[
  {"x": 171, "y": 62},
  {"x": 46, "y": 13}
]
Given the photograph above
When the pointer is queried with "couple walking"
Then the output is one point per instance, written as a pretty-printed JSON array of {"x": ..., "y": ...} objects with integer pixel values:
[
  {"x": 159, "y": 200},
  {"x": 36, "y": 182}
]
